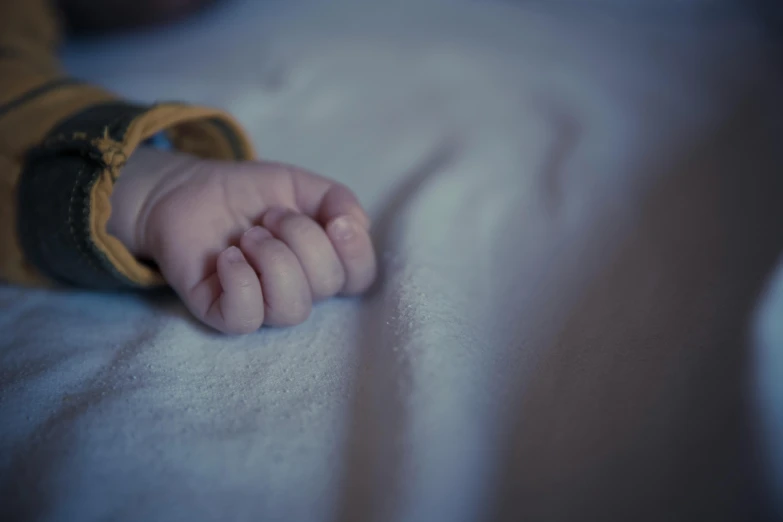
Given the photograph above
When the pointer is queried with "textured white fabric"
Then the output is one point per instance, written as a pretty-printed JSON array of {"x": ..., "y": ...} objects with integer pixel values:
[{"x": 577, "y": 209}]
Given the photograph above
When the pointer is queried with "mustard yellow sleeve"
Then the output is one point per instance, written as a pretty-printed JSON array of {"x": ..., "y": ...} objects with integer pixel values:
[{"x": 63, "y": 144}]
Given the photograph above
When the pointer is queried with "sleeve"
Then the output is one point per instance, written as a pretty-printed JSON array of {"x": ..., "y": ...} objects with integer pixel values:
[{"x": 63, "y": 144}]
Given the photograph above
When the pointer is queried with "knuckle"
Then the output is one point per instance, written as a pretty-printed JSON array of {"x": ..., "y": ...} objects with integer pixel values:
[
  {"x": 299, "y": 225},
  {"x": 244, "y": 324},
  {"x": 299, "y": 308},
  {"x": 300, "y": 313},
  {"x": 330, "y": 283},
  {"x": 292, "y": 313}
]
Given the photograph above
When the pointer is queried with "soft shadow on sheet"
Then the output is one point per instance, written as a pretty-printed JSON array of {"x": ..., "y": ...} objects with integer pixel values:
[
  {"x": 379, "y": 420},
  {"x": 640, "y": 408}
]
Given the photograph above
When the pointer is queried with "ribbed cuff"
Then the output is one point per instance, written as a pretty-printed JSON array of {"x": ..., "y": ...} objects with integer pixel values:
[{"x": 63, "y": 194}]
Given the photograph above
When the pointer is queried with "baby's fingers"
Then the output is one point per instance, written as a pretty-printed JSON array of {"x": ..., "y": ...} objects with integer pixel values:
[
  {"x": 354, "y": 248},
  {"x": 323, "y": 199},
  {"x": 285, "y": 287},
  {"x": 340, "y": 201},
  {"x": 230, "y": 300}
]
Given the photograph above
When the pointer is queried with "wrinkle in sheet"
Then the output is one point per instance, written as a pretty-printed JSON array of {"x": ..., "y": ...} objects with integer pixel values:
[{"x": 379, "y": 422}]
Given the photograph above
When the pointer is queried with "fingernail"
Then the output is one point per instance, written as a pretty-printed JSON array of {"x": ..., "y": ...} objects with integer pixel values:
[
  {"x": 257, "y": 234},
  {"x": 343, "y": 228},
  {"x": 234, "y": 255}
]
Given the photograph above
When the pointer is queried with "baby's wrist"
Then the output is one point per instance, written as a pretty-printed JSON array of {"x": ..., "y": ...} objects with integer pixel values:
[{"x": 142, "y": 178}]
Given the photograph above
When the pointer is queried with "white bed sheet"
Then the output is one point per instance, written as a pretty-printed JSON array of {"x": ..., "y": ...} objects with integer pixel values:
[{"x": 577, "y": 209}]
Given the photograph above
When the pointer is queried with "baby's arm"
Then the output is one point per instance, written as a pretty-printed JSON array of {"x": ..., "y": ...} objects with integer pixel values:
[{"x": 63, "y": 145}]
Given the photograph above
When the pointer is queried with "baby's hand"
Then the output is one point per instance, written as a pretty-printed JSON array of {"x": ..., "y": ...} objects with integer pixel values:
[{"x": 243, "y": 244}]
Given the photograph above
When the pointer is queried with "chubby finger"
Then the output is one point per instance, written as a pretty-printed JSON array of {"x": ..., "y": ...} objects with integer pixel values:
[
  {"x": 354, "y": 248},
  {"x": 321, "y": 198},
  {"x": 286, "y": 291},
  {"x": 308, "y": 241},
  {"x": 338, "y": 201},
  {"x": 230, "y": 300}
]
